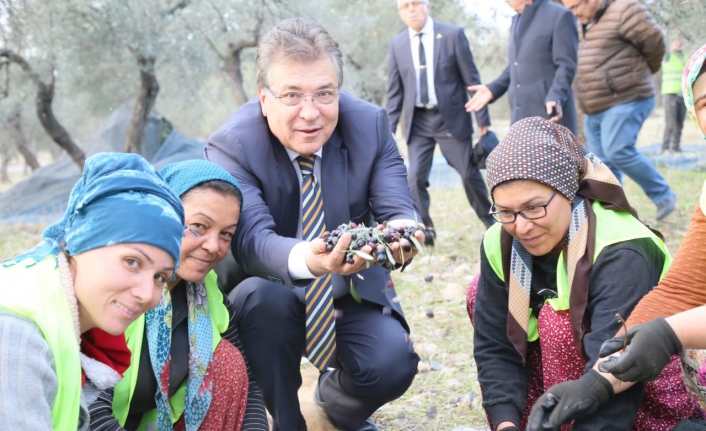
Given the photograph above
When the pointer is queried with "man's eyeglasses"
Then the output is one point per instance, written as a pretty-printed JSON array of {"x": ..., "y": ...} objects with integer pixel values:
[
  {"x": 414, "y": 4},
  {"x": 294, "y": 98},
  {"x": 576, "y": 6},
  {"x": 530, "y": 213}
]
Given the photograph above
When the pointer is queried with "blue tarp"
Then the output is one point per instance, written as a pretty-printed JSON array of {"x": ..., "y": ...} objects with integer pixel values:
[{"x": 43, "y": 196}]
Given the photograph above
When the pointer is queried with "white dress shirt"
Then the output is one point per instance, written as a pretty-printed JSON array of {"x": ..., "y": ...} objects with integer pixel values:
[{"x": 428, "y": 41}]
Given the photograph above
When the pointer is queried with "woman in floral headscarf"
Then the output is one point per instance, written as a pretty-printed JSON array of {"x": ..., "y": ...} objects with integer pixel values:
[
  {"x": 673, "y": 317},
  {"x": 567, "y": 255},
  {"x": 66, "y": 303},
  {"x": 187, "y": 373}
]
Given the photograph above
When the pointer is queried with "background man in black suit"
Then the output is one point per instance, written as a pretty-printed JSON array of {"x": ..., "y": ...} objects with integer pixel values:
[
  {"x": 541, "y": 65},
  {"x": 301, "y": 112},
  {"x": 430, "y": 67}
]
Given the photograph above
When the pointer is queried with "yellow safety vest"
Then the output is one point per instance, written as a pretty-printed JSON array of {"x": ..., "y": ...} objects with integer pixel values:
[
  {"x": 672, "y": 69},
  {"x": 134, "y": 335},
  {"x": 35, "y": 292},
  {"x": 612, "y": 227}
]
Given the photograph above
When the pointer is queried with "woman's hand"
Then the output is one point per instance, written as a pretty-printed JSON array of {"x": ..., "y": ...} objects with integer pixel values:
[
  {"x": 650, "y": 347},
  {"x": 570, "y": 400}
]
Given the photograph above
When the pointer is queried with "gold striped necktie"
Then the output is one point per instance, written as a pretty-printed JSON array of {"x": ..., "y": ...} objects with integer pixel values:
[{"x": 320, "y": 323}]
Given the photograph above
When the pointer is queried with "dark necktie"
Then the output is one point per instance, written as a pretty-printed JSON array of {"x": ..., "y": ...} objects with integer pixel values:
[
  {"x": 423, "y": 87},
  {"x": 320, "y": 323}
]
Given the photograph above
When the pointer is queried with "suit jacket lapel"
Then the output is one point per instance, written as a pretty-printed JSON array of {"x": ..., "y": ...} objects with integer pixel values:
[
  {"x": 334, "y": 181},
  {"x": 437, "y": 36},
  {"x": 527, "y": 17},
  {"x": 514, "y": 41},
  {"x": 289, "y": 204},
  {"x": 404, "y": 52}
]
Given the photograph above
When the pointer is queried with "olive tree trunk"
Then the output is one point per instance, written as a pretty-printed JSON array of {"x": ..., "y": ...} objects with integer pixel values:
[
  {"x": 149, "y": 88},
  {"x": 43, "y": 105},
  {"x": 13, "y": 122},
  {"x": 232, "y": 66}
]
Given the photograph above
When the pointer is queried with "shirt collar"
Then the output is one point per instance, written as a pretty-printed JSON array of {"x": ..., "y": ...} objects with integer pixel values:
[
  {"x": 293, "y": 154},
  {"x": 427, "y": 29}
]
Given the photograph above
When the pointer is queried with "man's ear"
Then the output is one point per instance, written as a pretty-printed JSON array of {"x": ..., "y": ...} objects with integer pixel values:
[{"x": 261, "y": 93}]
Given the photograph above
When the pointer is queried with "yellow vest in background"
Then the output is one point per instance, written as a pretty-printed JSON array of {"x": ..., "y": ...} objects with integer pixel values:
[{"x": 672, "y": 69}]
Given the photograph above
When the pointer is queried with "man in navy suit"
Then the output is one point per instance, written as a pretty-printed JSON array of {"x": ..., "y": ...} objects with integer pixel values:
[
  {"x": 430, "y": 67},
  {"x": 541, "y": 65},
  {"x": 302, "y": 113}
]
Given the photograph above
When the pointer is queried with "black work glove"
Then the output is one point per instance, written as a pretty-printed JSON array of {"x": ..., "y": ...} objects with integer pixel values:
[
  {"x": 650, "y": 347},
  {"x": 570, "y": 400},
  {"x": 512, "y": 428}
]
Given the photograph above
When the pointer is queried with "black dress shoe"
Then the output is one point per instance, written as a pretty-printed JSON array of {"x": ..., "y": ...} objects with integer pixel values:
[
  {"x": 429, "y": 236},
  {"x": 368, "y": 425}
]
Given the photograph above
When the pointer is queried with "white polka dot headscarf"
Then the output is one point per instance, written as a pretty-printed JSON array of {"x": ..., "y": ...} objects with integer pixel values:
[{"x": 539, "y": 150}]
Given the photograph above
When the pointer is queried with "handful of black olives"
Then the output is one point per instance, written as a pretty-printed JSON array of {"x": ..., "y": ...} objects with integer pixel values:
[{"x": 380, "y": 238}]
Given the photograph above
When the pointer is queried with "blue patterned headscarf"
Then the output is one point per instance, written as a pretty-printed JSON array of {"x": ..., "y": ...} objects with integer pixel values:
[
  {"x": 182, "y": 177},
  {"x": 120, "y": 198}
]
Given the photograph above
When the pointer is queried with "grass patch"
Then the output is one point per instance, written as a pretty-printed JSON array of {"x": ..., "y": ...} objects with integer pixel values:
[{"x": 17, "y": 238}]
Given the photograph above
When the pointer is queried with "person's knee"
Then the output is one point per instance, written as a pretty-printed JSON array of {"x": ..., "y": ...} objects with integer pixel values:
[
  {"x": 391, "y": 374},
  {"x": 226, "y": 353},
  {"x": 620, "y": 155},
  {"x": 266, "y": 301},
  {"x": 471, "y": 294}
]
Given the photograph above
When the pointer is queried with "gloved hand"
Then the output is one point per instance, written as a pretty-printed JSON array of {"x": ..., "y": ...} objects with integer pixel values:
[
  {"x": 650, "y": 347},
  {"x": 570, "y": 400},
  {"x": 512, "y": 428}
]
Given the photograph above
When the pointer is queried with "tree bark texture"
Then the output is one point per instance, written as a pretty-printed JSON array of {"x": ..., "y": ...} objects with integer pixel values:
[
  {"x": 43, "y": 102},
  {"x": 232, "y": 66},
  {"x": 14, "y": 124},
  {"x": 4, "y": 161},
  {"x": 45, "y": 113},
  {"x": 149, "y": 88}
]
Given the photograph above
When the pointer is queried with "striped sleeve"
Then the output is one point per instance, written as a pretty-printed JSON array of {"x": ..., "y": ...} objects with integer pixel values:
[
  {"x": 101, "y": 413},
  {"x": 255, "y": 412}
]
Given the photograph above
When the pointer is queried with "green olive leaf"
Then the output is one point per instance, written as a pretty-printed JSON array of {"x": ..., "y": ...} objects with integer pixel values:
[
  {"x": 363, "y": 255},
  {"x": 354, "y": 294},
  {"x": 390, "y": 257},
  {"x": 416, "y": 243}
]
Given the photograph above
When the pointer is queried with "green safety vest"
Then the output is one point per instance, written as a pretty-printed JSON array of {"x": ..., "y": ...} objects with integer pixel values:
[
  {"x": 672, "y": 70},
  {"x": 36, "y": 293},
  {"x": 612, "y": 227},
  {"x": 134, "y": 335}
]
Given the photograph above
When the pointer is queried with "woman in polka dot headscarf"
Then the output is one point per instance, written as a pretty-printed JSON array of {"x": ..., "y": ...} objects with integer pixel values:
[
  {"x": 673, "y": 316},
  {"x": 567, "y": 255}
]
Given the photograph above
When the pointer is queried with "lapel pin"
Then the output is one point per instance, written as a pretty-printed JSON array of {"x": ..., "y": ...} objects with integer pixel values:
[{"x": 439, "y": 35}]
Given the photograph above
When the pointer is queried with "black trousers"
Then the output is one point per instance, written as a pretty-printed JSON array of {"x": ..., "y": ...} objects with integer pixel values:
[
  {"x": 428, "y": 129},
  {"x": 674, "y": 113},
  {"x": 375, "y": 361}
]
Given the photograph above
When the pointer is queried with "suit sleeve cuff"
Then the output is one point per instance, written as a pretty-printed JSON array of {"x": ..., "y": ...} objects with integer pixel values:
[
  {"x": 503, "y": 413},
  {"x": 296, "y": 264}
]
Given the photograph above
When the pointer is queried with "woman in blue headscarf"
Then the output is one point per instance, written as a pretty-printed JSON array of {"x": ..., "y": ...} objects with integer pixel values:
[
  {"x": 66, "y": 303},
  {"x": 184, "y": 375}
]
